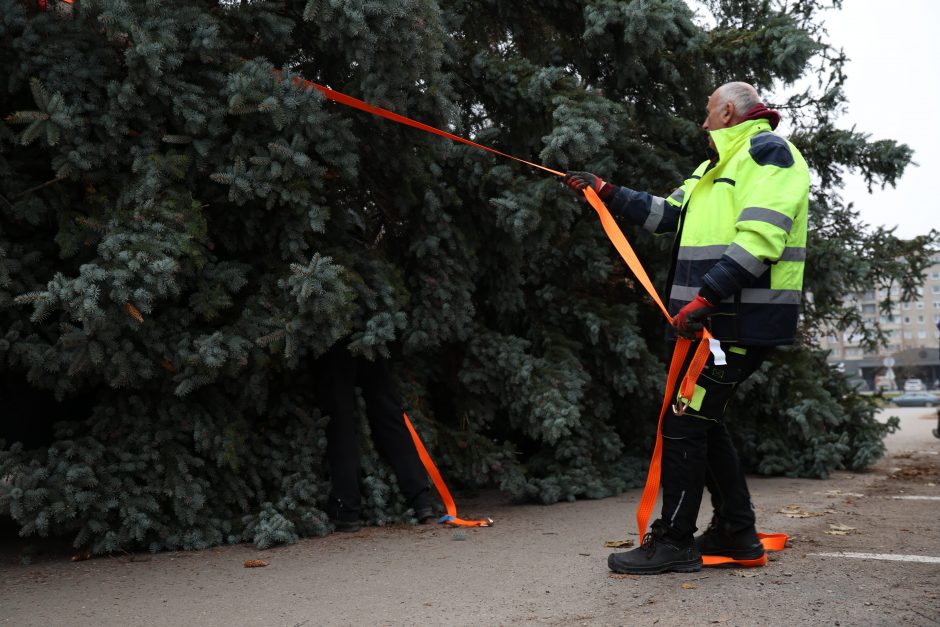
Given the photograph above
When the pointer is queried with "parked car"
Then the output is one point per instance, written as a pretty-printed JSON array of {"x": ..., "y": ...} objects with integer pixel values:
[
  {"x": 859, "y": 385},
  {"x": 916, "y": 399},
  {"x": 914, "y": 385}
]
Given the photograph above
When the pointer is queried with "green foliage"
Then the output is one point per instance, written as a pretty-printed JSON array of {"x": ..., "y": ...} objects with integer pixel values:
[
  {"x": 183, "y": 230},
  {"x": 803, "y": 419}
]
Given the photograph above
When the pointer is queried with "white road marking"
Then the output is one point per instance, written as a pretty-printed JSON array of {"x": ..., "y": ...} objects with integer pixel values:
[
  {"x": 890, "y": 557},
  {"x": 917, "y": 498}
]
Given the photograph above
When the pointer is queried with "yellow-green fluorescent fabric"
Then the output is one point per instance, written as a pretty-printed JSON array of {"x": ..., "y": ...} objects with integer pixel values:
[{"x": 740, "y": 223}]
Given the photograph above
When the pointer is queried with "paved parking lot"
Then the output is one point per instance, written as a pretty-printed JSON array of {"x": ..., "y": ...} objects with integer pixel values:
[{"x": 864, "y": 550}]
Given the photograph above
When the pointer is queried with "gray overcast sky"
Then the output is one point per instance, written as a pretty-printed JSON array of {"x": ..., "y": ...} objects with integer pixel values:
[{"x": 893, "y": 93}]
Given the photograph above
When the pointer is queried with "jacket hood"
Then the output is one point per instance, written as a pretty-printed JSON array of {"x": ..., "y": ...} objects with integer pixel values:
[{"x": 761, "y": 112}]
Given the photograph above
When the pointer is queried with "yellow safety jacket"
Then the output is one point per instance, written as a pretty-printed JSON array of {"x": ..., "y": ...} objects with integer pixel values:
[{"x": 740, "y": 224}]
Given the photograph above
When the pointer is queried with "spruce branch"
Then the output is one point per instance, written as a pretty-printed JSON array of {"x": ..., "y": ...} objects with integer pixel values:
[{"x": 40, "y": 186}]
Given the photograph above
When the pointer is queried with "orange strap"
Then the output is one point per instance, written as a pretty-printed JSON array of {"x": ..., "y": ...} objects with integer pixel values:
[
  {"x": 771, "y": 542},
  {"x": 435, "y": 474},
  {"x": 355, "y": 103},
  {"x": 686, "y": 387}
]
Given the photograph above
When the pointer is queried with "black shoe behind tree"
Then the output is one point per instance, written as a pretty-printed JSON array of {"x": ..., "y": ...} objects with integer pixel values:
[
  {"x": 658, "y": 554},
  {"x": 345, "y": 519},
  {"x": 421, "y": 505},
  {"x": 738, "y": 545}
]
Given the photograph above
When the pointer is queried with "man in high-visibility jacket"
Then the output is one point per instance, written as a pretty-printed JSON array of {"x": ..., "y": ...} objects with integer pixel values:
[{"x": 737, "y": 267}]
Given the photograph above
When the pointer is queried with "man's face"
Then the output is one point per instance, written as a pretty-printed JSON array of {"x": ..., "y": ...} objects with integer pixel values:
[{"x": 718, "y": 116}]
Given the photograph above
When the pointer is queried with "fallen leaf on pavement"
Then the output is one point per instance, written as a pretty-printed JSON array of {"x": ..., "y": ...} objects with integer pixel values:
[
  {"x": 255, "y": 563},
  {"x": 688, "y": 586},
  {"x": 796, "y": 511},
  {"x": 838, "y": 529},
  {"x": 743, "y": 573},
  {"x": 618, "y": 544}
]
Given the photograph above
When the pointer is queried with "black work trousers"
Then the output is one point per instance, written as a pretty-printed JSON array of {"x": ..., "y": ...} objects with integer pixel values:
[
  {"x": 338, "y": 373},
  {"x": 698, "y": 452}
]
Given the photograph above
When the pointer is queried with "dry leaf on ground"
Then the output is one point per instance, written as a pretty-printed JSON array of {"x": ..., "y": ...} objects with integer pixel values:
[
  {"x": 686, "y": 585},
  {"x": 796, "y": 511},
  {"x": 255, "y": 563},
  {"x": 838, "y": 529},
  {"x": 618, "y": 544}
]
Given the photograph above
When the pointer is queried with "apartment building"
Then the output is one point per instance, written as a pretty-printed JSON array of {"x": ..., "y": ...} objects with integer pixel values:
[{"x": 914, "y": 338}]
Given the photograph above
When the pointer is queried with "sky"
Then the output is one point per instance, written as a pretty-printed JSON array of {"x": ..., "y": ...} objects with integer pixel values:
[{"x": 893, "y": 90}]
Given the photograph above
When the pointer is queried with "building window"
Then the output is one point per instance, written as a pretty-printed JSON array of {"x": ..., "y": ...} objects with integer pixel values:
[
  {"x": 935, "y": 275},
  {"x": 907, "y": 319},
  {"x": 920, "y": 319},
  {"x": 907, "y": 335},
  {"x": 922, "y": 335},
  {"x": 935, "y": 289},
  {"x": 869, "y": 309},
  {"x": 936, "y": 304},
  {"x": 920, "y": 304},
  {"x": 906, "y": 306}
]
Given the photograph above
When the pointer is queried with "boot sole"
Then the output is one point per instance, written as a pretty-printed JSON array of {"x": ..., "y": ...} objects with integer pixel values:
[
  {"x": 740, "y": 556},
  {"x": 688, "y": 566}
]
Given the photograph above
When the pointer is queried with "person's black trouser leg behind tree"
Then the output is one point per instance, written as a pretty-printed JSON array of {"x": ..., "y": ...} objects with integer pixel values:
[
  {"x": 338, "y": 373},
  {"x": 336, "y": 393},
  {"x": 391, "y": 436}
]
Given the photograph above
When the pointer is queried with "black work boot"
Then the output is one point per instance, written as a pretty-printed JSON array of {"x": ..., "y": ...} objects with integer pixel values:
[
  {"x": 738, "y": 545},
  {"x": 421, "y": 506},
  {"x": 345, "y": 519},
  {"x": 658, "y": 554}
]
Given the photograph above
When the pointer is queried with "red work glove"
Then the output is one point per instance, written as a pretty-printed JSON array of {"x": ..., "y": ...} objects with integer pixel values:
[
  {"x": 689, "y": 322},
  {"x": 579, "y": 180}
]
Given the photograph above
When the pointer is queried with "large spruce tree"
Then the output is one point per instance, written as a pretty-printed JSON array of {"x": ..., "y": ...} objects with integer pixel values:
[{"x": 184, "y": 230}]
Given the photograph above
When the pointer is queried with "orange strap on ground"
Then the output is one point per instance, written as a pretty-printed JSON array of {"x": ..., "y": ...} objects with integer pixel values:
[
  {"x": 435, "y": 474},
  {"x": 686, "y": 387},
  {"x": 771, "y": 542}
]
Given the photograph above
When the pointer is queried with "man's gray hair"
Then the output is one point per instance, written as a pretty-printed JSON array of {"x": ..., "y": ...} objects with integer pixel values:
[{"x": 742, "y": 95}]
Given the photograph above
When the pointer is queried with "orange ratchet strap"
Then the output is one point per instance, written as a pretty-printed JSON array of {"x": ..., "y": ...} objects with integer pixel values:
[
  {"x": 772, "y": 542},
  {"x": 451, "y": 517}
]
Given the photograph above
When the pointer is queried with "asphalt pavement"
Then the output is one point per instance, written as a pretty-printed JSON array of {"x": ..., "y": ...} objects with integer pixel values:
[{"x": 864, "y": 550}]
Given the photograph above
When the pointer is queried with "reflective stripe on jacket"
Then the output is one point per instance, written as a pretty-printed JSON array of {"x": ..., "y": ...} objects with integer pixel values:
[{"x": 740, "y": 225}]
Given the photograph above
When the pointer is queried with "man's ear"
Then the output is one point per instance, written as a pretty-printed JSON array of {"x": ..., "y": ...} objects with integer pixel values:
[{"x": 729, "y": 112}]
